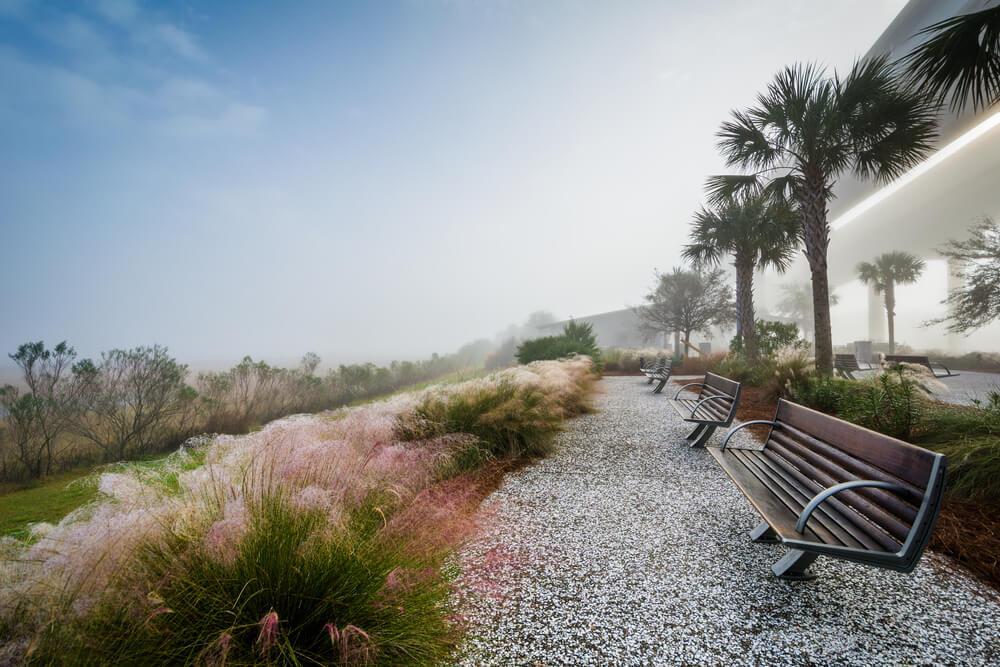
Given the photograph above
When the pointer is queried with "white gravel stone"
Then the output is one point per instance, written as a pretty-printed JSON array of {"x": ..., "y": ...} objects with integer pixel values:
[{"x": 626, "y": 547}]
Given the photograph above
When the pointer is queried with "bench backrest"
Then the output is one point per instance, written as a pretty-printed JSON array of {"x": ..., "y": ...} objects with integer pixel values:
[
  {"x": 908, "y": 359},
  {"x": 847, "y": 362},
  {"x": 825, "y": 450},
  {"x": 722, "y": 410}
]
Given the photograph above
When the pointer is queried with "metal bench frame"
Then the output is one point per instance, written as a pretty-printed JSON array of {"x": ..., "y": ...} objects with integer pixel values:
[
  {"x": 805, "y": 544},
  {"x": 922, "y": 361},
  {"x": 847, "y": 364},
  {"x": 712, "y": 392},
  {"x": 662, "y": 375}
]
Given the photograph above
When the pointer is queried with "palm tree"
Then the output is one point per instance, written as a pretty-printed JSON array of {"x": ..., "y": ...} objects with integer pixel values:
[
  {"x": 961, "y": 58},
  {"x": 760, "y": 233},
  {"x": 797, "y": 303},
  {"x": 807, "y": 130},
  {"x": 888, "y": 270}
]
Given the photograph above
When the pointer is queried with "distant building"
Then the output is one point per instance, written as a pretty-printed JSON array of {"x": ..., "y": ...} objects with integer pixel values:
[{"x": 617, "y": 328}]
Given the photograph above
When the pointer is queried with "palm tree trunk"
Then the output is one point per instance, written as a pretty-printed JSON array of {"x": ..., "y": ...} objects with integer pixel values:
[
  {"x": 816, "y": 238},
  {"x": 744, "y": 302},
  {"x": 890, "y": 309}
]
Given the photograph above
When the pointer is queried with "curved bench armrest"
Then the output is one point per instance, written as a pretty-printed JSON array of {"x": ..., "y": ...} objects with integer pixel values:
[
  {"x": 706, "y": 400},
  {"x": 837, "y": 488},
  {"x": 693, "y": 384},
  {"x": 932, "y": 364},
  {"x": 744, "y": 425}
]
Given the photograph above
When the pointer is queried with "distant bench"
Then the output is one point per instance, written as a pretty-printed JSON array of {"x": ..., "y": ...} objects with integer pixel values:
[
  {"x": 661, "y": 375},
  {"x": 847, "y": 365},
  {"x": 715, "y": 406},
  {"x": 828, "y": 487},
  {"x": 921, "y": 361},
  {"x": 650, "y": 367}
]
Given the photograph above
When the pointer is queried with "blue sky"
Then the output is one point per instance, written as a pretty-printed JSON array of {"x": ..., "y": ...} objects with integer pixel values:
[{"x": 363, "y": 180}]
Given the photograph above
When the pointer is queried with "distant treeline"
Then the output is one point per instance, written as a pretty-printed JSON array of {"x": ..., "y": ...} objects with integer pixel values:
[{"x": 133, "y": 403}]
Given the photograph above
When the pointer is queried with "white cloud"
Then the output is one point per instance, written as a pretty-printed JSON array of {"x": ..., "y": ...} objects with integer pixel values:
[
  {"x": 169, "y": 36},
  {"x": 234, "y": 119},
  {"x": 118, "y": 11}
]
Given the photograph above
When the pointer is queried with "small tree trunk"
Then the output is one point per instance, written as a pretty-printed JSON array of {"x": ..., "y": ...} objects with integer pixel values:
[
  {"x": 816, "y": 238},
  {"x": 745, "y": 312},
  {"x": 687, "y": 343},
  {"x": 890, "y": 309}
]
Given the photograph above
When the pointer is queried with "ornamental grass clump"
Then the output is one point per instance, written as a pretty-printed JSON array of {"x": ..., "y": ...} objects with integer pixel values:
[{"x": 321, "y": 539}]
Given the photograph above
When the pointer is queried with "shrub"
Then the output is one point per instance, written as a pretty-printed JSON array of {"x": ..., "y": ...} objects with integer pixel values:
[
  {"x": 627, "y": 360},
  {"x": 771, "y": 337},
  {"x": 576, "y": 338},
  {"x": 888, "y": 403},
  {"x": 316, "y": 540},
  {"x": 820, "y": 392}
]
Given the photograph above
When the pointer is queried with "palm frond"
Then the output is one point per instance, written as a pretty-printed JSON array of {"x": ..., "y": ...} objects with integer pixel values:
[
  {"x": 961, "y": 58},
  {"x": 725, "y": 187},
  {"x": 891, "y": 126}
]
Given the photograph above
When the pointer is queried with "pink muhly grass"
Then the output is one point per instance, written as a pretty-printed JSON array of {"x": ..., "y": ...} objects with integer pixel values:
[
  {"x": 224, "y": 536},
  {"x": 438, "y": 518},
  {"x": 352, "y": 643},
  {"x": 268, "y": 636}
]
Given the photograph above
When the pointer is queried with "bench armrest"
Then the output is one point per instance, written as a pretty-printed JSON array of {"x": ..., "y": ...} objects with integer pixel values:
[
  {"x": 932, "y": 364},
  {"x": 693, "y": 384},
  {"x": 744, "y": 425},
  {"x": 837, "y": 488},
  {"x": 706, "y": 400}
]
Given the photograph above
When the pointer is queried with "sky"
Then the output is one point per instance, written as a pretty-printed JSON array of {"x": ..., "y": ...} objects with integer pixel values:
[{"x": 367, "y": 181}]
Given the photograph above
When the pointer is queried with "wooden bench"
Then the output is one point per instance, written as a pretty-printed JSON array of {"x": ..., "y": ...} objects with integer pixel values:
[
  {"x": 921, "y": 361},
  {"x": 826, "y": 487},
  {"x": 715, "y": 406},
  {"x": 847, "y": 365},
  {"x": 662, "y": 375},
  {"x": 650, "y": 368}
]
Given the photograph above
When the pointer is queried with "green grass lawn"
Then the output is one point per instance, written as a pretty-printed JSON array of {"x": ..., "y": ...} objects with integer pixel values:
[{"x": 48, "y": 500}]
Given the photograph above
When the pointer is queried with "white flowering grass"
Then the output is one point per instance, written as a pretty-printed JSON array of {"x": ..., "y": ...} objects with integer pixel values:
[{"x": 184, "y": 562}]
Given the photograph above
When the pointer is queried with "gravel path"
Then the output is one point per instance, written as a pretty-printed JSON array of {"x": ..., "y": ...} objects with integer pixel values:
[
  {"x": 968, "y": 385},
  {"x": 626, "y": 547}
]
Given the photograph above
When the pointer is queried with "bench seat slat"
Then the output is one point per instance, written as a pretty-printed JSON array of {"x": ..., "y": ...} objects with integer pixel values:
[
  {"x": 774, "y": 507},
  {"x": 869, "y": 533},
  {"x": 874, "y": 511},
  {"x": 837, "y": 529},
  {"x": 841, "y": 467}
]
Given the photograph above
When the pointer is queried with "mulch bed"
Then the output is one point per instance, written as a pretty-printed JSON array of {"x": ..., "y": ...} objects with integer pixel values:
[{"x": 966, "y": 530}]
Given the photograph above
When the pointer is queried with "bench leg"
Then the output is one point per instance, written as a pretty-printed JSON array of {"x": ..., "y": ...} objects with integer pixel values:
[
  {"x": 649, "y": 381},
  {"x": 764, "y": 534},
  {"x": 703, "y": 438},
  {"x": 659, "y": 387},
  {"x": 793, "y": 566},
  {"x": 693, "y": 435}
]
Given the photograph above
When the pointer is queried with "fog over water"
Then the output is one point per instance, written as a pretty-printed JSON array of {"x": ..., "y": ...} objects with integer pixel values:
[{"x": 367, "y": 181}]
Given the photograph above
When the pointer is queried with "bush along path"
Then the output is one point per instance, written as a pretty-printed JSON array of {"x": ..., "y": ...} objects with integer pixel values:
[
  {"x": 321, "y": 539},
  {"x": 627, "y": 547}
]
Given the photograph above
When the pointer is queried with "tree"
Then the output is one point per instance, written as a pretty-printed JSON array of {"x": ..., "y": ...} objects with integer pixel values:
[
  {"x": 36, "y": 419},
  {"x": 888, "y": 270},
  {"x": 977, "y": 262},
  {"x": 128, "y": 401},
  {"x": 797, "y": 304},
  {"x": 807, "y": 130},
  {"x": 760, "y": 233},
  {"x": 309, "y": 363},
  {"x": 688, "y": 301},
  {"x": 960, "y": 58}
]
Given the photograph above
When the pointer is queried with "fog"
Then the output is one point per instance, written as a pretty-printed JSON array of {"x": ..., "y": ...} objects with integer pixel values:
[{"x": 364, "y": 181}]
